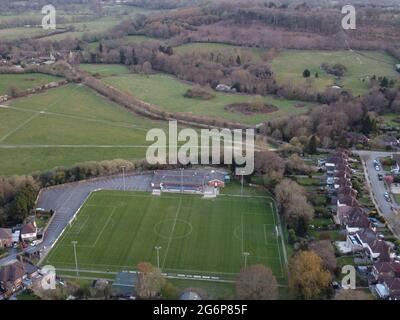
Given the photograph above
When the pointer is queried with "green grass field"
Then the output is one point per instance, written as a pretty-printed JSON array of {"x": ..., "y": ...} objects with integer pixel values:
[
  {"x": 117, "y": 230},
  {"x": 22, "y": 33},
  {"x": 254, "y": 54},
  {"x": 63, "y": 126},
  {"x": 290, "y": 64},
  {"x": 168, "y": 93},
  {"x": 104, "y": 70},
  {"x": 127, "y": 40},
  {"x": 24, "y": 81},
  {"x": 89, "y": 27}
]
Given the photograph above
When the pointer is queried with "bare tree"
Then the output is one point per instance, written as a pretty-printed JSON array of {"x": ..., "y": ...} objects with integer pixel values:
[
  {"x": 150, "y": 280},
  {"x": 270, "y": 164},
  {"x": 256, "y": 283},
  {"x": 326, "y": 252},
  {"x": 285, "y": 190}
]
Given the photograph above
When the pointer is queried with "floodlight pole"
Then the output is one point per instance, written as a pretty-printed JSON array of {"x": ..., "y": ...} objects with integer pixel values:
[
  {"x": 181, "y": 180},
  {"x": 74, "y": 243},
  {"x": 158, "y": 248},
  {"x": 123, "y": 176},
  {"x": 245, "y": 254},
  {"x": 241, "y": 189}
]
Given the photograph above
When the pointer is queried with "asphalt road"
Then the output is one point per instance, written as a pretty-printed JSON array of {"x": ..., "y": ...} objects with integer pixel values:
[
  {"x": 378, "y": 189},
  {"x": 66, "y": 199}
]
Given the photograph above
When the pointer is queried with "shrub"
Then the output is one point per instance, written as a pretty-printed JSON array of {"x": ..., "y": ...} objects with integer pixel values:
[
  {"x": 292, "y": 238},
  {"x": 306, "y": 73},
  {"x": 337, "y": 69},
  {"x": 198, "y": 92}
]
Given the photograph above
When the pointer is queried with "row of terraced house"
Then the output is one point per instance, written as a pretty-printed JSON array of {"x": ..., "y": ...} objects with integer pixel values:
[{"x": 362, "y": 237}]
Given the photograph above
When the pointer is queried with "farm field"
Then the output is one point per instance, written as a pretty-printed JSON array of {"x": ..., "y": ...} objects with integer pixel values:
[
  {"x": 24, "y": 81},
  {"x": 127, "y": 40},
  {"x": 79, "y": 16},
  {"x": 88, "y": 27},
  {"x": 290, "y": 64},
  {"x": 139, "y": 39},
  {"x": 104, "y": 70},
  {"x": 168, "y": 93},
  {"x": 255, "y": 54},
  {"x": 117, "y": 230},
  {"x": 63, "y": 126},
  {"x": 22, "y": 33}
]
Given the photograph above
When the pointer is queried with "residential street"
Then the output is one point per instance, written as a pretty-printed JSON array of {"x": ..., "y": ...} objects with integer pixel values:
[{"x": 378, "y": 189}]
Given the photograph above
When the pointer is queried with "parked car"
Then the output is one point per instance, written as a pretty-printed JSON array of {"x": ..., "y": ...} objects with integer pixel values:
[
  {"x": 387, "y": 196},
  {"x": 336, "y": 285}
]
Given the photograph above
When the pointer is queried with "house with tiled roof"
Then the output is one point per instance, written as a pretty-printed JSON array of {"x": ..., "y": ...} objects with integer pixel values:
[
  {"x": 347, "y": 200},
  {"x": 342, "y": 183},
  {"x": 389, "y": 289},
  {"x": 12, "y": 276},
  {"x": 384, "y": 270},
  {"x": 353, "y": 218},
  {"x": 370, "y": 245},
  {"x": 347, "y": 191},
  {"x": 29, "y": 231}
]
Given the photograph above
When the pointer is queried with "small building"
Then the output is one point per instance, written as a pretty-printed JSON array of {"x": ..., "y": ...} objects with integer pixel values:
[
  {"x": 397, "y": 67},
  {"x": 396, "y": 158},
  {"x": 188, "y": 181},
  {"x": 125, "y": 284},
  {"x": 388, "y": 141},
  {"x": 224, "y": 88},
  {"x": 190, "y": 295},
  {"x": 16, "y": 236},
  {"x": 6, "y": 237},
  {"x": 29, "y": 231}
]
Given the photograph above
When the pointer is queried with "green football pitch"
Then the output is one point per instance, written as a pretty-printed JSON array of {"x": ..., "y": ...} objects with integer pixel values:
[{"x": 198, "y": 237}]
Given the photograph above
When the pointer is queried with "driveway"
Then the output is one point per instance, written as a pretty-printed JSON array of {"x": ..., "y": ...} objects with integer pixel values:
[
  {"x": 378, "y": 188},
  {"x": 66, "y": 199}
]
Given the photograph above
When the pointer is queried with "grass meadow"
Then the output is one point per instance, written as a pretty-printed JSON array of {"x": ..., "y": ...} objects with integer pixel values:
[
  {"x": 290, "y": 64},
  {"x": 66, "y": 125},
  {"x": 24, "y": 81},
  {"x": 168, "y": 93}
]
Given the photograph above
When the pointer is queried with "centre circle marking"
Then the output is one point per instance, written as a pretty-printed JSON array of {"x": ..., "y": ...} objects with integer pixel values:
[{"x": 186, "y": 230}]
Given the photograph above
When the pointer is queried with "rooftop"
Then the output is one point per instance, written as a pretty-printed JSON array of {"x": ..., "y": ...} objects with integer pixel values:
[
  {"x": 5, "y": 233},
  {"x": 186, "y": 177}
]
